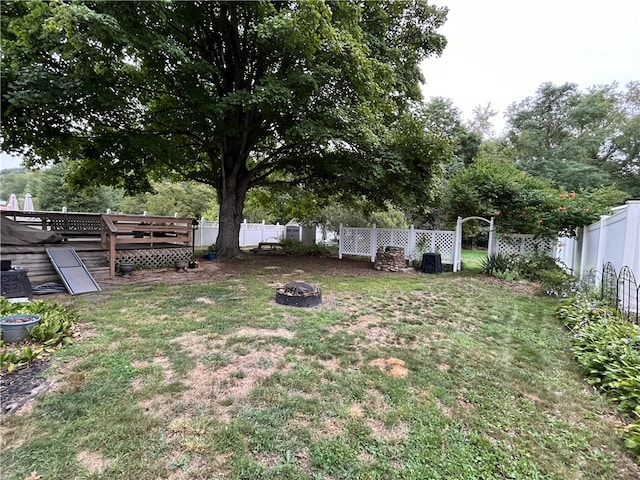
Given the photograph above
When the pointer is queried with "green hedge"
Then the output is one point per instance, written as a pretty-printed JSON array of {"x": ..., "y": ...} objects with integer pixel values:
[{"x": 607, "y": 348}]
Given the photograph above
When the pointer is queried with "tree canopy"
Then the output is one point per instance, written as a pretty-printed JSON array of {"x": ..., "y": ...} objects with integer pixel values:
[
  {"x": 522, "y": 203},
  {"x": 580, "y": 140},
  {"x": 234, "y": 95}
]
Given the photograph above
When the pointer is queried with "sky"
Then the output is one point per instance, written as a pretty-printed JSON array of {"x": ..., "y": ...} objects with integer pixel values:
[{"x": 501, "y": 51}]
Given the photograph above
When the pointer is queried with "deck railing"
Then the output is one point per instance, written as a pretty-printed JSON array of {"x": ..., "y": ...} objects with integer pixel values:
[
  {"x": 119, "y": 230},
  {"x": 124, "y": 237},
  {"x": 66, "y": 224}
]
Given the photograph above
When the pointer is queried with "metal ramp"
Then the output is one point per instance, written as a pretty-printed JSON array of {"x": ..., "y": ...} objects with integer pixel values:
[{"x": 73, "y": 272}]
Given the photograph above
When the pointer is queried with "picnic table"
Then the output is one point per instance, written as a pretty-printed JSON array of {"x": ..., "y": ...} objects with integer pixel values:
[{"x": 267, "y": 246}]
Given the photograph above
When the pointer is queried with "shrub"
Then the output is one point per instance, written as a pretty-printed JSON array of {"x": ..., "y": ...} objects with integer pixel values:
[
  {"x": 582, "y": 308},
  {"x": 296, "y": 247},
  {"x": 544, "y": 270},
  {"x": 632, "y": 436},
  {"x": 608, "y": 350},
  {"x": 537, "y": 268},
  {"x": 607, "y": 347}
]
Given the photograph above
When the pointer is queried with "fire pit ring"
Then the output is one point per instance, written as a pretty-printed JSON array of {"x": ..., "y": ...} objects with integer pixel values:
[{"x": 299, "y": 294}]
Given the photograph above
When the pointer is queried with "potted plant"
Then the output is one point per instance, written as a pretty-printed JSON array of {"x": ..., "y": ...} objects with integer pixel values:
[
  {"x": 181, "y": 265},
  {"x": 211, "y": 252},
  {"x": 15, "y": 328},
  {"x": 126, "y": 268}
]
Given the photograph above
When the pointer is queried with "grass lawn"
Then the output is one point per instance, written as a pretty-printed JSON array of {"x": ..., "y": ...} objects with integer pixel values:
[
  {"x": 472, "y": 260},
  {"x": 394, "y": 376}
]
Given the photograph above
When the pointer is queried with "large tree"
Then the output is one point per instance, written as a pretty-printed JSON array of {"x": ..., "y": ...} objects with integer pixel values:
[
  {"x": 580, "y": 140},
  {"x": 231, "y": 94},
  {"x": 442, "y": 116}
]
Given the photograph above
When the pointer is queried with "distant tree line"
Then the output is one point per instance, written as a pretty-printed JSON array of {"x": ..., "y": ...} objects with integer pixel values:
[{"x": 566, "y": 157}]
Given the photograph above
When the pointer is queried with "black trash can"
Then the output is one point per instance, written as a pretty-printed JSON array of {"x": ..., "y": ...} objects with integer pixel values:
[{"x": 431, "y": 263}]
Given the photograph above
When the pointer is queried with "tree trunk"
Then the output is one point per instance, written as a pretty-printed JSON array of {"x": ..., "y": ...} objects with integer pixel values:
[{"x": 231, "y": 196}]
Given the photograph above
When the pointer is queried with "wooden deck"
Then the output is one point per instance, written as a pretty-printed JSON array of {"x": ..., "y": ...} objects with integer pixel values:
[
  {"x": 40, "y": 269},
  {"x": 161, "y": 247}
]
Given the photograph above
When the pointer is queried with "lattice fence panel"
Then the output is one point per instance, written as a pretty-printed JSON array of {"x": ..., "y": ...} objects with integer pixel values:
[
  {"x": 153, "y": 257},
  {"x": 423, "y": 243},
  {"x": 387, "y": 237},
  {"x": 518, "y": 244},
  {"x": 356, "y": 241},
  {"x": 537, "y": 246},
  {"x": 445, "y": 245},
  {"x": 507, "y": 246},
  {"x": 383, "y": 238},
  {"x": 434, "y": 241}
]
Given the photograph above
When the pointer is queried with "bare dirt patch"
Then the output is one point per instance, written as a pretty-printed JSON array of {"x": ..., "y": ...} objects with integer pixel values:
[
  {"x": 165, "y": 364},
  {"x": 391, "y": 366},
  {"x": 205, "y": 300},
  {"x": 223, "y": 387},
  {"x": 196, "y": 344},
  {"x": 355, "y": 410},
  {"x": 289, "y": 265},
  {"x": 156, "y": 406},
  {"x": 333, "y": 364},
  {"x": 263, "y": 332},
  {"x": 379, "y": 430},
  {"x": 370, "y": 327},
  {"x": 520, "y": 286},
  {"x": 94, "y": 462}
]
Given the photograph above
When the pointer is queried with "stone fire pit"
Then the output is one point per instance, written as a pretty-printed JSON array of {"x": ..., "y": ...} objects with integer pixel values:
[{"x": 298, "y": 294}]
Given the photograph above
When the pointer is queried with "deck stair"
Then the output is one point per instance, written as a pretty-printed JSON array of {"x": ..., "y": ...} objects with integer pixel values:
[
  {"x": 101, "y": 242},
  {"x": 41, "y": 270}
]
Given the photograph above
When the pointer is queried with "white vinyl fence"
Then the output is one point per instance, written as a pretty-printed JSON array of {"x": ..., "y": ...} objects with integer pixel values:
[
  {"x": 366, "y": 241},
  {"x": 614, "y": 239},
  {"x": 250, "y": 233}
]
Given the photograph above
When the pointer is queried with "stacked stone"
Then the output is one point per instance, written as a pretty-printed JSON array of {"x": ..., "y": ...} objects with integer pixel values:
[{"x": 390, "y": 259}]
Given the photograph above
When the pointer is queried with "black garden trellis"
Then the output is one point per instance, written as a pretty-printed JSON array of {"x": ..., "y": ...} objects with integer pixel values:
[{"x": 621, "y": 291}]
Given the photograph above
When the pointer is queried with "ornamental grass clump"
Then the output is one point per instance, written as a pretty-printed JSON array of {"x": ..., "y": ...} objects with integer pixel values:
[{"x": 498, "y": 265}]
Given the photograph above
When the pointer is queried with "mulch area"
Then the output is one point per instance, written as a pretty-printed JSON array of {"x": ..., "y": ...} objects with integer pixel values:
[{"x": 18, "y": 387}]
